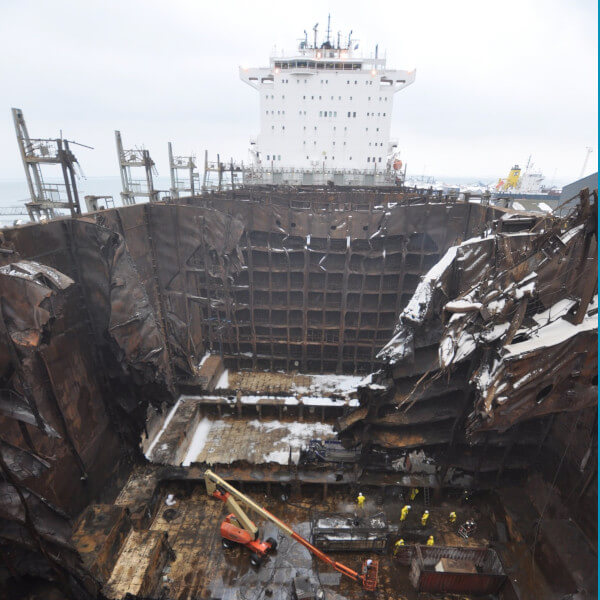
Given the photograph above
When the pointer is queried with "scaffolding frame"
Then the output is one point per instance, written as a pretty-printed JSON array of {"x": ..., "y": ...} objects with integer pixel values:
[
  {"x": 138, "y": 158},
  {"x": 234, "y": 170},
  {"x": 189, "y": 184},
  {"x": 93, "y": 203},
  {"x": 46, "y": 198}
]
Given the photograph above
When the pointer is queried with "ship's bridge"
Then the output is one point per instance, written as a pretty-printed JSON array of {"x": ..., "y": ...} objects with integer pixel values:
[
  {"x": 325, "y": 107},
  {"x": 302, "y": 64}
]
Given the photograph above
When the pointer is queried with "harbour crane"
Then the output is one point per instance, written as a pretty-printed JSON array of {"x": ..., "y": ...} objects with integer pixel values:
[{"x": 238, "y": 528}]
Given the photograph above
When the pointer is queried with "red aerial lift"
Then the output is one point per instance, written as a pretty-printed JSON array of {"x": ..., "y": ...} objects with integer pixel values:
[{"x": 238, "y": 528}]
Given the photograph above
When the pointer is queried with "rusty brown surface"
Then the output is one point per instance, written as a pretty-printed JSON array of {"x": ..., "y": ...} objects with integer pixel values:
[
  {"x": 73, "y": 365},
  {"x": 104, "y": 314},
  {"x": 241, "y": 274},
  {"x": 475, "y": 378},
  {"x": 98, "y": 536}
]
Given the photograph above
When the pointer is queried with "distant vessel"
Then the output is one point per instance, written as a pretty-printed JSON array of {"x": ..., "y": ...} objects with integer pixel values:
[{"x": 527, "y": 185}]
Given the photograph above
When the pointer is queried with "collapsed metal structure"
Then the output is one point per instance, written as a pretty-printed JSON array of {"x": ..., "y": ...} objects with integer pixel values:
[
  {"x": 476, "y": 322},
  {"x": 496, "y": 345}
]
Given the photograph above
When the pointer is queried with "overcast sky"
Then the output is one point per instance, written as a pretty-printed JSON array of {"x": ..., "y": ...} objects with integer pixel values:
[{"x": 496, "y": 81}]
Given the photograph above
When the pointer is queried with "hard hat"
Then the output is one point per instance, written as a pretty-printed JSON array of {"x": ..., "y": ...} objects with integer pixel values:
[
  {"x": 426, "y": 512},
  {"x": 408, "y": 506}
]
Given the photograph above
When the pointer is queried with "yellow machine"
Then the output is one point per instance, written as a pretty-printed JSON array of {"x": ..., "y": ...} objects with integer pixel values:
[{"x": 512, "y": 181}]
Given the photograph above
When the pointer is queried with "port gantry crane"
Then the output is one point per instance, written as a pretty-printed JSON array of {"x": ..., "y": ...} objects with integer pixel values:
[{"x": 238, "y": 528}]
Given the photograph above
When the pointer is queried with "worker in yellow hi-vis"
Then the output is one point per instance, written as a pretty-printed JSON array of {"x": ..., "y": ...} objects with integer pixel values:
[
  {"x": 424, "y": 518},
  {"x": 399, "y": 543},
  {"x": 413, "y": 493},
  {"x": 360, "y": 500},
  {"x": 452, "y": 517},
  {"x": 404, "y": 512},
  {"x": 430, "y": 541}
]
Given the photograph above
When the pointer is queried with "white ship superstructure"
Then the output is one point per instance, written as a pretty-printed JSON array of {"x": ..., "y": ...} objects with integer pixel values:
[{"x": 324, "y": 109}]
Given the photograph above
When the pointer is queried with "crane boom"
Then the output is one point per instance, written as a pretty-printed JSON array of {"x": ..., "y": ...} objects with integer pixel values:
[{"x": 214, "y": 483}]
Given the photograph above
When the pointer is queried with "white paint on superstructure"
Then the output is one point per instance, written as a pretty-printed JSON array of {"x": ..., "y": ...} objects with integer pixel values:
[{"x": 325, "y": 107}]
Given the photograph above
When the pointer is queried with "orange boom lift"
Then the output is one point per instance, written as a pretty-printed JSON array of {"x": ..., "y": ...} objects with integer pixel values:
[{"x": 238, "y": 528}]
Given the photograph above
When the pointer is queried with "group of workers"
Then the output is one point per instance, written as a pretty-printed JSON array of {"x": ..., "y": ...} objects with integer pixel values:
[
  {"x": 360, "y": 501},
  {"x": 399, "y": 543},
  {"x": 407, "y": 507}
]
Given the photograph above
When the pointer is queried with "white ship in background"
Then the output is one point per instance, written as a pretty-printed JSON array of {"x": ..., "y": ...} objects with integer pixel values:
[
  {"x": 325, "y": 115},
  {"x": 523, "y": 184},
  {"x": 525, "y": 190},
  {"x": 521, "y": 190}
]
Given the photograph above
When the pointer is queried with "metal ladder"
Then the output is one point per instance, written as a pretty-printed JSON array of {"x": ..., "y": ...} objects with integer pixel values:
[{"x": 427, "y": 497}]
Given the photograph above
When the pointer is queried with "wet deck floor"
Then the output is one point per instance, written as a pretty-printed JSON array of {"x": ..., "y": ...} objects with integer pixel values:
[{"x": 202, "y": 568}]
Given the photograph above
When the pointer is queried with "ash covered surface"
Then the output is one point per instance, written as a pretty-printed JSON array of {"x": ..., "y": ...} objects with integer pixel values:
[{"x": 106, "y": 314}]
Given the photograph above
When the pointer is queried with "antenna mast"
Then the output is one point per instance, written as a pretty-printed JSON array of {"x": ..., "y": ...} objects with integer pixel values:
[
  {"x": 315, "y": 30},
  {"x": 328, "y": 26}
]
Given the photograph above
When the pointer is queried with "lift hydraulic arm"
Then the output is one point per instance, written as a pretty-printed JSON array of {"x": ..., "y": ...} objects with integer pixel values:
[{"x": 214, "y": 483}]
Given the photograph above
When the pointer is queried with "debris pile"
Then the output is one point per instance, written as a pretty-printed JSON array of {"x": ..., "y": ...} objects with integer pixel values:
[{"x": 499, "y": 336}]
